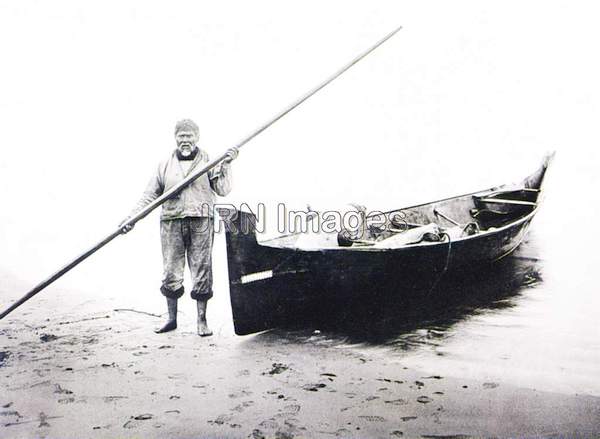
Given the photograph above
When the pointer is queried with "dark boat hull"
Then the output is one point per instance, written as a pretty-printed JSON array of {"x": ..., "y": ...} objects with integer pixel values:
[{"x": 270, "y": 284}]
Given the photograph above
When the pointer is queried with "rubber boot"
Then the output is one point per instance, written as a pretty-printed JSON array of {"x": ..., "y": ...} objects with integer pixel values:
[
  {"x": 203, "y": 329},
  {"x": 172, "y": 322}
]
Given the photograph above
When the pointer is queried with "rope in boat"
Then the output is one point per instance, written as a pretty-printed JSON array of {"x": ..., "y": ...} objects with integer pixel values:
[
  {"x": 470, "y": 228},
  {"x": 439, "y": 278}
]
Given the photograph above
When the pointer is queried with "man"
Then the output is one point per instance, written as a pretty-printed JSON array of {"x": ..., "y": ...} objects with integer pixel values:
[{"x": 186, "y": 223}]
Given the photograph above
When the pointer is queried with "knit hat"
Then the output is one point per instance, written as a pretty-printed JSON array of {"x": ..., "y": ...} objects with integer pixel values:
[{"x": 186, "y": 125}]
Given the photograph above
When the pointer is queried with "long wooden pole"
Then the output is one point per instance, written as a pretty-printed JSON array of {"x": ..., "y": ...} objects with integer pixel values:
[{"x": 187, "y": 181}]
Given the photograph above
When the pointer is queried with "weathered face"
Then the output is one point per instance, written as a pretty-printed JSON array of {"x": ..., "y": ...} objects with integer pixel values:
[{"x": 186, "y": 141}]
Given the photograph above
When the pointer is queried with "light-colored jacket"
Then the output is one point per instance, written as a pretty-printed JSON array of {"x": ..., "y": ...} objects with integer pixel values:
[{"x": 196, "y": 200}]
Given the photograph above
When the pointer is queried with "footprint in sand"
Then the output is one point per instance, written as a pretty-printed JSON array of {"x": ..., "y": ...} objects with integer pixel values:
[
  {"x": 240, "y": 407},
  {"x": 292, "y": 408},
  {"x": 221, "y": 419},
  {"x": 132, "y": 423},
  {"x": 100, "y": 427},
  {"x": 283, "y": 435},
  {"x": 12, "y": 416},
  {"x": 269, "y": 424},
  {"x": 66, "y": 400},
  {"x": 372, "y": 418},
  {"x": 256, "y": 434},
  {"x": 385, "y": 380},
  {"x": 3, "y": 357},
  {"x": 61, "y": 390},
  {"x": 239, "y": 394},
  {"x": 287, "y": 419},
  {"x": 108, "y": 399},
  {"x": 313, "y": 387},
  {"x": 45, "y": 338},
  {"x": 276, "y": 369},
  {"x": 398, "y": 401},
  {"x": 143, "y": 417}
]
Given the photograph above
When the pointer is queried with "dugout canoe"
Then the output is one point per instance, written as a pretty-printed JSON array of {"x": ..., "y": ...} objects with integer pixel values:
[{"x": 272, "y": 280}]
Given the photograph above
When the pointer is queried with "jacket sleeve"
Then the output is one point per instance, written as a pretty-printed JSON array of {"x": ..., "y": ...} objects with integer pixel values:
[
  {"x": 154, "y": 189},
  {"x": 220, "y": 179}
]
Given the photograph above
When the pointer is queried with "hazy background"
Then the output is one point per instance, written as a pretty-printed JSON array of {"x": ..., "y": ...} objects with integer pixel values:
[{"x": 468, "y": 95}]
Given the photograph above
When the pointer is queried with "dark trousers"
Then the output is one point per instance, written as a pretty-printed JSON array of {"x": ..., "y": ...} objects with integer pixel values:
[{"x": 190, "y": 237}]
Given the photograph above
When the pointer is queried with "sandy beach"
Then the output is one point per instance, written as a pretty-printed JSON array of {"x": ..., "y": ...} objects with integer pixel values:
[{"x": 105, "y": 374}]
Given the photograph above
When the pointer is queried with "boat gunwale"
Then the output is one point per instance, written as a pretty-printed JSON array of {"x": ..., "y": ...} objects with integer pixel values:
[{"x": 481, "y": 234}]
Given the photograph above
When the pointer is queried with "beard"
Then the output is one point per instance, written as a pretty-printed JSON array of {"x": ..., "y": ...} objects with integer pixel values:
[
  {"x": 185, "y": 149},
  {"x": 186, "y": 153}
]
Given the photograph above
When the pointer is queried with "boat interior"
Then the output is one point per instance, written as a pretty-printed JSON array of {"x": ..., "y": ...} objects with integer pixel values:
[
  {"x": 450, "y": 219},
  {"x": 426, "y": 224}
]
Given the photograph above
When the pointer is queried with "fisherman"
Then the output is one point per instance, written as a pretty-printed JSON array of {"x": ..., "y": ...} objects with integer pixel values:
[{"x": 186, "y": 222}]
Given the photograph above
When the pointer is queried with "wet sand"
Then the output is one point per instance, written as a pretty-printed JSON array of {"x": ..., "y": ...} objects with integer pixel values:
[{"x": 105, "y": 374}]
